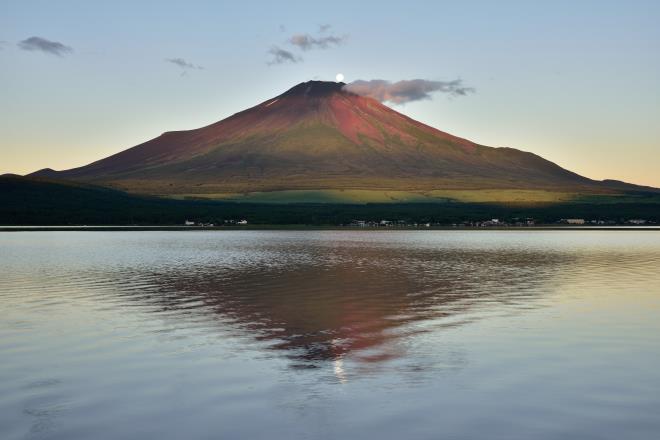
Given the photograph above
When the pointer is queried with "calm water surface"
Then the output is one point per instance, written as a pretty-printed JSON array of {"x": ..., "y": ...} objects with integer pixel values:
[{"x": 330, "y": 335}]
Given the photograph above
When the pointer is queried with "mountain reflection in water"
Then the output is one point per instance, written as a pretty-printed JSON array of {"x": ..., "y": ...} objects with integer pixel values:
[{"x": 330, "y": 301}]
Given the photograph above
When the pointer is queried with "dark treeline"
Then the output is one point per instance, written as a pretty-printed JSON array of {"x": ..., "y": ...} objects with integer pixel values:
[{"x": 29, "y": 202}]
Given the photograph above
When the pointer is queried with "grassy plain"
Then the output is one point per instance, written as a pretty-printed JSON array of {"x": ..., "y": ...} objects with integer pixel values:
[{"x": 364, "y": 196}]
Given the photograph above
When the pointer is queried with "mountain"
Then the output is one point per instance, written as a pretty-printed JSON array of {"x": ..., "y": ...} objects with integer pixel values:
[{"x": 319, "y": 138}]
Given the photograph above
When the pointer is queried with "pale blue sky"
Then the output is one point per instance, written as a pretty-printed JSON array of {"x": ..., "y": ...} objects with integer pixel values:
[{"x": 576, "y": 82}]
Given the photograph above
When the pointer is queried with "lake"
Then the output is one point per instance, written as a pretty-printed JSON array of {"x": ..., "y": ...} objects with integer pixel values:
[{"x": 330, "y": 335}]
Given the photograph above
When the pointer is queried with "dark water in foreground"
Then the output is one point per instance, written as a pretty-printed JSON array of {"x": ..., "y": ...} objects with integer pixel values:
[{"x": 330, "y": 335}]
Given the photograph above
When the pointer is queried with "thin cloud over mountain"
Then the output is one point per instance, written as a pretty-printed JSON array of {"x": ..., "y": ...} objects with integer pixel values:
[
  {"x": 282, "y": 56},
  {"x": 304, "y": 42},
  {"x": 404, "y": 91},
  {"x": 307, "y": 42}
]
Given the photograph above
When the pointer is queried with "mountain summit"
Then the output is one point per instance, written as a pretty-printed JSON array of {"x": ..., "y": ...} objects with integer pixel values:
[{"x": 318, "y": 136}]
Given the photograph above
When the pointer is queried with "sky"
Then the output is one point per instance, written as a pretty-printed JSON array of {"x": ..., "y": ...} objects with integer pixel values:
[{"x": 575, "y": 82}]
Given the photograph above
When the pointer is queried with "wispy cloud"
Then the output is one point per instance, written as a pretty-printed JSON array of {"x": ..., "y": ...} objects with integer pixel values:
[
  {"x": 184, "y": 65},
  {"x": 304, "y": 42},
  {"x": 401, "y": 92},
  {"x": 44, "y": 45},
  {"x": 307, "y": 42},
  {"x": 282, "y": 56}
]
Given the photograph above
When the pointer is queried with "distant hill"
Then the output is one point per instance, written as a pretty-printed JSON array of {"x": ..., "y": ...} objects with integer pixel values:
[{"x": 320, "y": 143}]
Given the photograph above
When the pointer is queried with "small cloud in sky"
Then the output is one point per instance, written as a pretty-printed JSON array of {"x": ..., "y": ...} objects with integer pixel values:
[
  {"x": 183, "y": 64},
  {"x": 404, "y": 91},
  {"x": 308, "y": 42},
  {"x": 304, "y": 42},
  {"x": 44, "y": 45},
  {"x": 282, "y": 56}
]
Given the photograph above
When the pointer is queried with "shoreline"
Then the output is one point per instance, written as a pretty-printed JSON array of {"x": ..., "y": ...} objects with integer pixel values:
[{"x": 132, "y": 228}]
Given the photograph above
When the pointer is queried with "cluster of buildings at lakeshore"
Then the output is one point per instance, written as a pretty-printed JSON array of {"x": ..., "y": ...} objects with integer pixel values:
[
  {"x": 495, "y": 223},
  {"x": 405, "y": 224},
  {"x": 242, "y": 222},
  {"x": 581, "y": 221}
]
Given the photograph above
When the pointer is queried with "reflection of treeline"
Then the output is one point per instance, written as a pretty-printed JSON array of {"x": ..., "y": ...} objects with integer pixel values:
[{"x": 29, "y": 202}]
